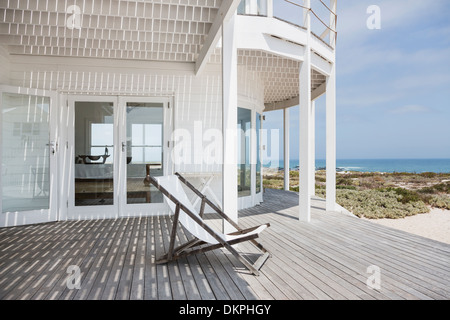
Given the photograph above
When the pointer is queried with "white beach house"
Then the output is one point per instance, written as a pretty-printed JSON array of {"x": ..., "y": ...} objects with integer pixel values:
[{"x": 97, "y": 95}]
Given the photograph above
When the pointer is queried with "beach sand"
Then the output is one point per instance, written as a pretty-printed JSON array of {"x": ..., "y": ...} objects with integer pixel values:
[{"x": 433, "y": 225}]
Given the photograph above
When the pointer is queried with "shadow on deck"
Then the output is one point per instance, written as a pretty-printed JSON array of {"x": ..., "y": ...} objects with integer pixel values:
[{"x": 334, "y": 257}]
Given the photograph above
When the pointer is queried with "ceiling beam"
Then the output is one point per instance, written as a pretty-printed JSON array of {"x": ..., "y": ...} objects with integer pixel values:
[{"x": 226, "y": 10}]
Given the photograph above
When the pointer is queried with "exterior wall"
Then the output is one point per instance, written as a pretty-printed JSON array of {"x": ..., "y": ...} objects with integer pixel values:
[{"x": 197, "y": 99}]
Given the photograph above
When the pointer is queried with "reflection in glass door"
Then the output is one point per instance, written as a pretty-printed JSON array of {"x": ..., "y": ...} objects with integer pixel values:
[
  {"x": 25, "y": 154},
  {"x": 145, "y": 131},
  {"x": 94, "y": 154},
  {"x": 115, "y": 144},
  {"x": 243, "y": 151},
  {"x": 27, "y": 159},
  {"x": 258, "y": 153}
]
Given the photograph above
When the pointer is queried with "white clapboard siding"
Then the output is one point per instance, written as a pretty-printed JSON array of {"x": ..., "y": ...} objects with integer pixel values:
[{"x": 197, "y": 99}]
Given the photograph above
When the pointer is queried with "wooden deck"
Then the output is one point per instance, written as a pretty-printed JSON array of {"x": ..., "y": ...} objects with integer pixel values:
[{"x": 325, "y": 259}]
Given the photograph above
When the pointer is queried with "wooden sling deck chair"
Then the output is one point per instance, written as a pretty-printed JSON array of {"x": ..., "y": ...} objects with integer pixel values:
[{"x": 187, "y": 215}]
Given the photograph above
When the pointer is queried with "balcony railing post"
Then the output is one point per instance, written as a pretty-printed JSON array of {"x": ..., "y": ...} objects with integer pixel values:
[
  {"x": 307, "y": 15},
  {"x": 333, "y": 22},
  {"x": 270, "y": 8}
]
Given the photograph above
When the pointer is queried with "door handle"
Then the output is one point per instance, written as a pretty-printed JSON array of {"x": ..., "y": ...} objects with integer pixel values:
[
  {"x": 124, "y": 145},
  {"x": 53, "y": 145}
]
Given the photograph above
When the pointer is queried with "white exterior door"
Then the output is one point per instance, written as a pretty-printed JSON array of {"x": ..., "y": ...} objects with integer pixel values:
[
  {"x": 93, "y": 157},
  {"x": 145, "y": 131},
  {"x": 114, "y": 143},
  {"x": 28, "y": 153}
]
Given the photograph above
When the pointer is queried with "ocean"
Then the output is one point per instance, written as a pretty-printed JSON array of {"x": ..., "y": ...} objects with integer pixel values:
[{"x": 382, "y": 165}]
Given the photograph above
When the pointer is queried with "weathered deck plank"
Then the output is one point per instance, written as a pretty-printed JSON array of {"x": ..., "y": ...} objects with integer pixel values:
[
  {"x": 325, "y": 259},
  {"x": 407, "y": 271}
]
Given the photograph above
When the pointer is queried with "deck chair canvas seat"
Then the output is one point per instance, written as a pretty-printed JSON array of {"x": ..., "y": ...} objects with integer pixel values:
[{"x": 192, "y": 220}]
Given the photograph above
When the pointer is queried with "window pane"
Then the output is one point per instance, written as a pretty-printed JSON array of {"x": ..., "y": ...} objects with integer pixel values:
[
  {"x": 144, "y": 151},
  {"x": 258, "y": 153},
  {"x": 94, "y": 153},
  {"x": 153, "y": 134},
  {"x": 244, "y": 167},
  {"x": 102, "y": 134},
  {"x": 241, "y": 7},
  {"x": 25, "y": 152},
  {"x": 262, "y": 8},
  {"x": 137, "y": 134}
]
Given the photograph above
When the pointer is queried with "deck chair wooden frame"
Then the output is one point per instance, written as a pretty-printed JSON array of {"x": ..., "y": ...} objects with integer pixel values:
[{"x": 191, "y": 247}]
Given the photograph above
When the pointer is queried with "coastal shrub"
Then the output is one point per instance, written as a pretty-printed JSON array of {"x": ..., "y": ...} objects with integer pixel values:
[
  {"x": 375, "y": 195},
  {"x": 406, "y": 196},
  {"x": 376, "y": 204},
  {"x": 346, "y": 187},
  {"x": 294, "y": 174},
  {"x": 379, "y": 179},
  {"x": 443, "y": 187},
  {"x": 321, "y": 179},
  {"x": 440, "y": 201},
  {"x": 273, "y": 177},
  {"x": 428, "y": 174},
  {"x": 273, "y": 183}
]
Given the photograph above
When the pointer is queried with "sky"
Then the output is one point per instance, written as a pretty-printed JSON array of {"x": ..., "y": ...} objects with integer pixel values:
[{"x": 393, "y": 83}]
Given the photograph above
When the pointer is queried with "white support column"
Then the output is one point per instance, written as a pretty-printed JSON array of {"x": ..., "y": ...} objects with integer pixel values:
[
  {"x": 331, "y": 123},
  {"x": 286, "y": 147},
  {"x": 305, "y": 125},
  {"x": 229, "y": 125},
  {"x": 331, "y": 141},
  {"x": 313, "y": 148}
]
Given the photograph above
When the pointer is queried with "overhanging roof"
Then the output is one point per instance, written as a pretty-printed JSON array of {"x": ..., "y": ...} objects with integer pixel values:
[{"x": 173, "y": 30}]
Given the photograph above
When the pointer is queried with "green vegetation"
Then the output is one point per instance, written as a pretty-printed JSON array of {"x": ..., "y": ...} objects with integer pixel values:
[{"x": 379, "y": 195}]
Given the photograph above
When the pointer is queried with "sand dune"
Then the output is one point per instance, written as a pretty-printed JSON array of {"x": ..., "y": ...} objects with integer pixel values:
[{"x": 433, "y": 225}]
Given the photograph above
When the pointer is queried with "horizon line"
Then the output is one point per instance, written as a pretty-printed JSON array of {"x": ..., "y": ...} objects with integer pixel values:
[{"x": 282, "y": 159}]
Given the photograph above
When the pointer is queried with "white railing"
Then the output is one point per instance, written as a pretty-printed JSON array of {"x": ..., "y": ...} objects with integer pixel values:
[
  {"x": 326, "y": 32},
  {"x": 318, "y": 10}
]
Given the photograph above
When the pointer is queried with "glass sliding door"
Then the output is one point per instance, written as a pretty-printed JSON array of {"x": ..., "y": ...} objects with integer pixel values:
[
  {"x": 28, "y": 150},
  {"x": 258, "y": 153},
  {"x": 244, "y": 148},
  {"x": 145, "y": 131}
]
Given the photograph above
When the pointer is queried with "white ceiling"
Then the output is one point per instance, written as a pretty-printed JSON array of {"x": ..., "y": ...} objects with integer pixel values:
[
  {"x": 159, "y": 30},
  {"x": 148, "y": 30}
]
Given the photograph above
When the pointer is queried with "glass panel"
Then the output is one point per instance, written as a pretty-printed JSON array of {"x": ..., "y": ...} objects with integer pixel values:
[
  {"x": 94, "y": 153},
  {"x": 25, "y": 152},
  {"x": 244, "y": 167},
  {"x": 258, "y": 153},
  {"x": 262, "y": 8},
  {"x": 241, "y": 7},
  {"x": 144, "y": 151},
  {"x": 248, "y": 7}
]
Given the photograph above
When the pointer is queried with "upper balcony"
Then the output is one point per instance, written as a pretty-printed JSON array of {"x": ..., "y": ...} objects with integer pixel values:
[
  {"x": 273, "y": 38},
  {"x": 323, "y": 20}
]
